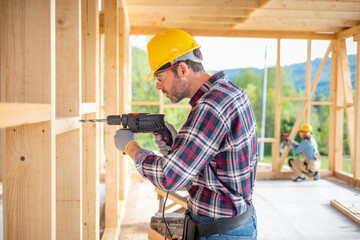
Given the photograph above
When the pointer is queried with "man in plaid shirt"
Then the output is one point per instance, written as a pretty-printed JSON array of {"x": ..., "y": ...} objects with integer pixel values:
[{"x": 214, "y": 155}]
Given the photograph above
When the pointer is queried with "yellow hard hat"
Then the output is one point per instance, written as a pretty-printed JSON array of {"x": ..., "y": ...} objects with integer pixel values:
[
  {"x": 168, "y": 45},
  {"x": 306, "y": 127}
]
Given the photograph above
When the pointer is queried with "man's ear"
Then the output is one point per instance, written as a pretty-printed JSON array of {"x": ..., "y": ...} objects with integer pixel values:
[{"x": 183, "y": 70}]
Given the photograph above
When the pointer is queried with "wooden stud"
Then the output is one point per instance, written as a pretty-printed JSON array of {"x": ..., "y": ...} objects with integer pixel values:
[
  {"x": 339, "y": 115},
  {"x": 304, "y": 107},
  {"x": 124, "y": 90},
  {"x": 356, "y": 167},
  {"x": 349, "y": 101},
  {"x": 275, "y": 148},
  {"x": 90, "y": 131},
  {"x": 308, "y": 81},
  {"x": 68, "y": 101},
  {"x": 332, "y": 110},
  {"x": 111, "y": 108},
  {"x": 28, "y": 77}
]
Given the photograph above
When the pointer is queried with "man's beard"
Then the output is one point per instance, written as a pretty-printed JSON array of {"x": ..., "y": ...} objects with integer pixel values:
[{"x": 179, "y": 90}]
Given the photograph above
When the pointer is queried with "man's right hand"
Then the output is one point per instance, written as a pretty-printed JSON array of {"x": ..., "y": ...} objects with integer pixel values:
[{"x": 163, "y": 148}]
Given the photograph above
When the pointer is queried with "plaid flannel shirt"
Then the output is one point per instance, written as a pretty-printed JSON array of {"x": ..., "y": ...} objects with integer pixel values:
[{"x": 214, "y": 154}]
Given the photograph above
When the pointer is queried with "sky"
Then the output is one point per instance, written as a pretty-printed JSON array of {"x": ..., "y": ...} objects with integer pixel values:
[{"x": 227, "y": 53}]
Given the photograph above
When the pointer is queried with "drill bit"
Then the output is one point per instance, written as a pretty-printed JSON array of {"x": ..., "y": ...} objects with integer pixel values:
[{"x": 93, "y": 120}]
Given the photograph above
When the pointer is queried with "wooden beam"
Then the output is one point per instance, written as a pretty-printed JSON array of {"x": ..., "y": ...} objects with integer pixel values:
[
  {"x": 306, "y": 104},
  {"x": 154, "y": 235},
  {"x": 350, "y": 212},
  {"x": 321, "y": 103},
  {"x": 64, "y": 125},
  {"x": 302, "y": 22},
  {"x": 314, "y": 5},
  {"x": 347, "y": 178},
  {"x": 167, "y": 18},
  {"x": 15, "y": 114},
  {"x": 90, "y": 131},
  {"x": 311, "y": 14},
  {"x": 89, "y": 107},
  {"x": 275, "y": 147},
  {"x": 348, "y": 32},
  {"x": 287, "y": 175},
  {"x": 147, "y": 30},
  {"x": 161, "y": 4},
  {"x": 349, "y": 101},
  {"x": 112, "y": 107},
  {"x": 356, "y": 168},
  {"x": 187, "y": 11},
  {"x": 28, "y": 72},
  {"x": 266, "y": 140},
  {"x": 68, "y": 99},
  {"x": 293, "y": 98}
]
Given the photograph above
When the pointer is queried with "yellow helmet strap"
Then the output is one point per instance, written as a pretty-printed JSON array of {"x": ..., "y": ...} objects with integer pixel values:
[{"x": 188, "y": 56}]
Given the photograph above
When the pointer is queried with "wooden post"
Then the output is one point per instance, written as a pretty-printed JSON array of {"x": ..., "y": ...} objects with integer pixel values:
[
  {"x": 308, "y": 81},
  {"x": 28, "y": 72},
  {"x": 338, "y": 115},
  {"x": 348, "y": 95},
  {"x": 124, "y": 34},
  {"x": 356, "y": 166},
  {"x": 90, "y": 137},
  {"x": 111, "y": 107},
  {"x": 68, "y": 143},
  {"x": 332, "y": 109},
  {"x": 275, "y": 151}
]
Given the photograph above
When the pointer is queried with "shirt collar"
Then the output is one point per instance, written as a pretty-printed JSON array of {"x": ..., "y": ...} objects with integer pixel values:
[{"x": 205, "y": 87}]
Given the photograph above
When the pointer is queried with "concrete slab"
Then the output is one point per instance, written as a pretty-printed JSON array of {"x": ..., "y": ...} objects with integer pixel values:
[{"x": 289, "y": 210}]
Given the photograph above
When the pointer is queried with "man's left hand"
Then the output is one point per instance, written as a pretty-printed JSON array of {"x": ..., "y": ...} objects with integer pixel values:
[{"x": 122, "y": 138}]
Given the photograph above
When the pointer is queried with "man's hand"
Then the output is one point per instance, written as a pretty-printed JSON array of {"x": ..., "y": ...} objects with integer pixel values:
[
  {"x": 163, "y": 148},
  {"x": 122, "y": 139}
]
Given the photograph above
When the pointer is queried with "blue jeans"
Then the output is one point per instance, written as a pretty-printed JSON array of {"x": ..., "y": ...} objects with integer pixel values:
[{"x": 246, "y": 231}]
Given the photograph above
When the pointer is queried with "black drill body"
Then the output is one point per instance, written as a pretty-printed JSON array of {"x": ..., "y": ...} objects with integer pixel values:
[{"x": 143, "y": 123}]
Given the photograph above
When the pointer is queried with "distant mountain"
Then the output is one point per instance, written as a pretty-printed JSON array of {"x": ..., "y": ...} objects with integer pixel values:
[{"x": 298, "y": 74}]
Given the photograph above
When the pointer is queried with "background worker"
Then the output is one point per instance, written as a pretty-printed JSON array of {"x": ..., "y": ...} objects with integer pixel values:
[
  {"x": 309, "y": 148},
  {"x": 214, "y": 155}
]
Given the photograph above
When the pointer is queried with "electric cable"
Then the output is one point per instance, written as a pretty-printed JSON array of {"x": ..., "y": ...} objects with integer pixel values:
[{"x": 163, "y": 214}]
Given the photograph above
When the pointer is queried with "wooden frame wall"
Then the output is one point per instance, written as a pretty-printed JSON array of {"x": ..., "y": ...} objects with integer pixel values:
[
  {"x": 51, "y": 163},
  {"x": 27, "y": 85}
]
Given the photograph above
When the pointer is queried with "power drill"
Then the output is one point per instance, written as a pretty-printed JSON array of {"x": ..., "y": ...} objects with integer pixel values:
[{"x": 140, "y": 123}]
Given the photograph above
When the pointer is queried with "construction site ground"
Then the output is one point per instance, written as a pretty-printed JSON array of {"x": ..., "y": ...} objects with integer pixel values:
[{"x": 285, "y": 210}]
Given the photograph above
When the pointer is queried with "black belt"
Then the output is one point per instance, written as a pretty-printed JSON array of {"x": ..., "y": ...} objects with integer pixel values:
[{"x": 191, "y": 229}]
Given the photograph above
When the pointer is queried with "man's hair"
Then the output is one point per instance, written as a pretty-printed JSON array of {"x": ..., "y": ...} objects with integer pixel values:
[{"x": 195, "y": 66}]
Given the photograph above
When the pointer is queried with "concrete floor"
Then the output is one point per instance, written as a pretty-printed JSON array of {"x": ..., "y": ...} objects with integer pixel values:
[
  {"x": 285, "y": 210},
  {"x": 289, "y": 210}
]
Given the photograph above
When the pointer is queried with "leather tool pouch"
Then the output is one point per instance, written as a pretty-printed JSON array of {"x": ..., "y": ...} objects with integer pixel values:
[{"x": 189, "y": 231}]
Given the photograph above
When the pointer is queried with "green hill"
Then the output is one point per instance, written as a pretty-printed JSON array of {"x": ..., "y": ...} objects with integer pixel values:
[{"x": 298, "y": 74}]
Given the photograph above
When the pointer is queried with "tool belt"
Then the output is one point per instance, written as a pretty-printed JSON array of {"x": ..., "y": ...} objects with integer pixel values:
[{"x": 193, "y": 230}]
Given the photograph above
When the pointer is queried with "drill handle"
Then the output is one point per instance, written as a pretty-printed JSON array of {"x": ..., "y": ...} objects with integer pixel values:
[{"x": 165, "y": 135}]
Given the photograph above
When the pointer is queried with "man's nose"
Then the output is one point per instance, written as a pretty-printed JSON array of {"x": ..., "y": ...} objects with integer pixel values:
[{"x": 159, "y": 86}]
